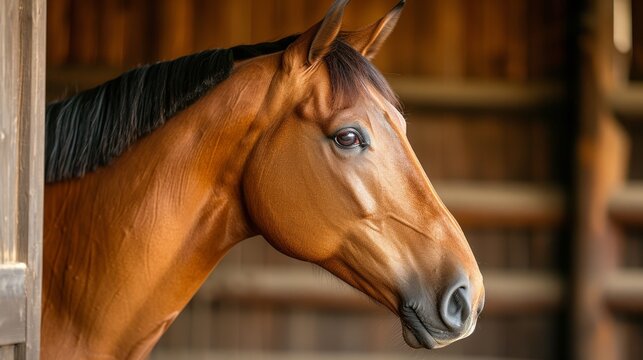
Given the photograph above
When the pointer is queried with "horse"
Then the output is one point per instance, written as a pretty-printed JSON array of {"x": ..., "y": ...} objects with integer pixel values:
[{"x": 153, "y": 176}]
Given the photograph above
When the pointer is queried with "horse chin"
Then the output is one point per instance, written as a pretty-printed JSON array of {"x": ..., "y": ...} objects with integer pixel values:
[
  {"x": 410, "y": 339},
  {"x": 419, "y": 338}
]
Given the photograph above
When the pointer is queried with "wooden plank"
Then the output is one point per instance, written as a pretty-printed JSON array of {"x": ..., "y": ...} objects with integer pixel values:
[
  {"x": 112, "y": 33},
  {"x": 627, "y": 101},
  {"x": 58, "y": 31},
  {"x": 7, "y": 352},
  {"x": 422, "y": 93},
  {"x": 505, "y": 292},
  {"x": 626, "y": 205},
  {"x": 9, "y": 127},
  {"x": 478, "y": 95},
  {"x": 31, "y": 165},
  {"x": 174, "y": 28},
  {"x": 522, "y": 292},
  {"x": 66, "y": 81},
  {"x": 12, "y": 297},
  {"x": 84, "y": 41},
  {"x": 624, "y": 291},
  {"x": 11, "y": 321},
  {"x": 503, "y": 204},
  {"x": 192, "y": 354}
]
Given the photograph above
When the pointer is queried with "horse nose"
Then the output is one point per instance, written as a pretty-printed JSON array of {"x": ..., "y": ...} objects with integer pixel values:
[{"x": 456, "y": 305}]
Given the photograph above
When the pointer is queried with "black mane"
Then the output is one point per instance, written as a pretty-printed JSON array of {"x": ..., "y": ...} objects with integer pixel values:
[{"x": 91, "y": 128}]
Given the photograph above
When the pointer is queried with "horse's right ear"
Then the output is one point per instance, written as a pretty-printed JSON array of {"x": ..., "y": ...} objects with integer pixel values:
[
  {"x": 369, "y": 40},
  {"x": 315, "y": 43}
]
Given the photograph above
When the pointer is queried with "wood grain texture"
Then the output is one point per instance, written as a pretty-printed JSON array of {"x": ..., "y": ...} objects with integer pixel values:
[
  {"x": 8, "y": 159},
  {"x": 31, "y": 167},
  {"x": 13, "y": 313},
  {"x": 9, "y": 129},
  {"x": 600, "y": 158}
]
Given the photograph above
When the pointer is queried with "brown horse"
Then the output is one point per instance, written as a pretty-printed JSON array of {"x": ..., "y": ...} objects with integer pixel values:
[{"x": 299, "y": 140}]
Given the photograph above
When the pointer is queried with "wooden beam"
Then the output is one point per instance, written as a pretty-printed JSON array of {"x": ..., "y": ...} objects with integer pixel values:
[
  {"x": 626, "y": 205},
  {"x": 419, "y": 93},
  {"x": 627, "y": 101},
  {"x": 66, "y": 81},
  {"x": 601, "y": 153},
  {"x": 503, "y": 204},
  {"x": 190, "y": 354},
  {"x": 31, "y": 183},
  {"x": 523, "y": 292},
  {"x": 506, "y": 293},
  {"x": 624, "y": 291},
  {"x": 478, "y": 96}
]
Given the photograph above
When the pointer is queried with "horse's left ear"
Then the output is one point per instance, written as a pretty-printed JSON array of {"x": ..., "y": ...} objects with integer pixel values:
[{"x": 368, "y": 40}]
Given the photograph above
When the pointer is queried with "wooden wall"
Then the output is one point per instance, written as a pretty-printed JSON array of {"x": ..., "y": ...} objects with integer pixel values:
[
  {"x": 22, "y": 97},
  {"x": 515, "y": 162},
  {"x": 492, "y": 39}
]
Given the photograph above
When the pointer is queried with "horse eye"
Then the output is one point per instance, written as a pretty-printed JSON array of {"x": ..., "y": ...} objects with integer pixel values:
[{"x": 348, "y": 138}]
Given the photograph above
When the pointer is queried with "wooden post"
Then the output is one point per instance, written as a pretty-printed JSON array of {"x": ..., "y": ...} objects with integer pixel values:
[
  {"x": 22, "y": 74},
  {"x": 600, "y": 171}
]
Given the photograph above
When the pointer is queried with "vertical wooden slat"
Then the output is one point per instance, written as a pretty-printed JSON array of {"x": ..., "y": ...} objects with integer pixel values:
[
  {"x": 22, "y": 70},
  {"x": 441, "y": 51},
  {"x": 31, "y": 166},
  {"x": 175, "y": 29},
  {"x": 84, "y": 34},
  {"x": 138, "y": 49},
  {"x": 9, "y": 47},
  {"x": 58, "y": 28},
  {"x": 112, "y": 34},
  {"x": 516, "y": 13},
  {"x": 8, "y": 138},
  {"x": 263, "y": 27},
  {"x": 636, "y": 70},
  {"x": 601, "y": 149}
]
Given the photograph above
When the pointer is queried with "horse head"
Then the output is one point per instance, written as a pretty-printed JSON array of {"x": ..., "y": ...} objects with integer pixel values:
[{"x": 334, "y": 181}]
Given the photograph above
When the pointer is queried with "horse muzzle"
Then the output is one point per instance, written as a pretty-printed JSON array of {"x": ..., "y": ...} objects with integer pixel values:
[{"x": 454, "y": 319}]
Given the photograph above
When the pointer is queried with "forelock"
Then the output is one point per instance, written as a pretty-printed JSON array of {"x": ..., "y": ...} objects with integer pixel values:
[{"x": 352, "y": 75}]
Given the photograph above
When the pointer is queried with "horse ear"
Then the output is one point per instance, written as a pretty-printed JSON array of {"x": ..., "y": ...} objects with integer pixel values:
[
  {"x": 369, "y": 39},
  {"x": 327, "y": 31},
  {"x": 317, "y": 41}
]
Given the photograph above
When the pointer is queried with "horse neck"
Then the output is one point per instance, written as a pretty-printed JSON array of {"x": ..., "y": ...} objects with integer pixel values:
[{"x": 128, "y": 245}]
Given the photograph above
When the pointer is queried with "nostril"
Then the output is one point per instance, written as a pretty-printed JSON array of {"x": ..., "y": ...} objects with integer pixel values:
[
  {"x": 456, "y": 304},
  {"x": 456, "y": 307}
]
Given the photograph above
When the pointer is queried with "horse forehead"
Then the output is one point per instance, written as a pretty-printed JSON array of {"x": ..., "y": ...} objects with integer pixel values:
[{"x": 317, "y": 101}]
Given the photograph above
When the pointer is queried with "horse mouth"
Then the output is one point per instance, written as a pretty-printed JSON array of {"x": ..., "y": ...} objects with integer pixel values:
[{"x": 416, "y": 332}]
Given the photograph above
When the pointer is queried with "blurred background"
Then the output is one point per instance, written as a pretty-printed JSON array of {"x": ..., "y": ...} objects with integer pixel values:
[{"x": 526, "y": 115}]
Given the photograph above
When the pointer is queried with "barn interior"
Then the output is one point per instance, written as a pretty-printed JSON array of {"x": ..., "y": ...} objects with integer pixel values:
[{"x": 527, "y": 116}]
